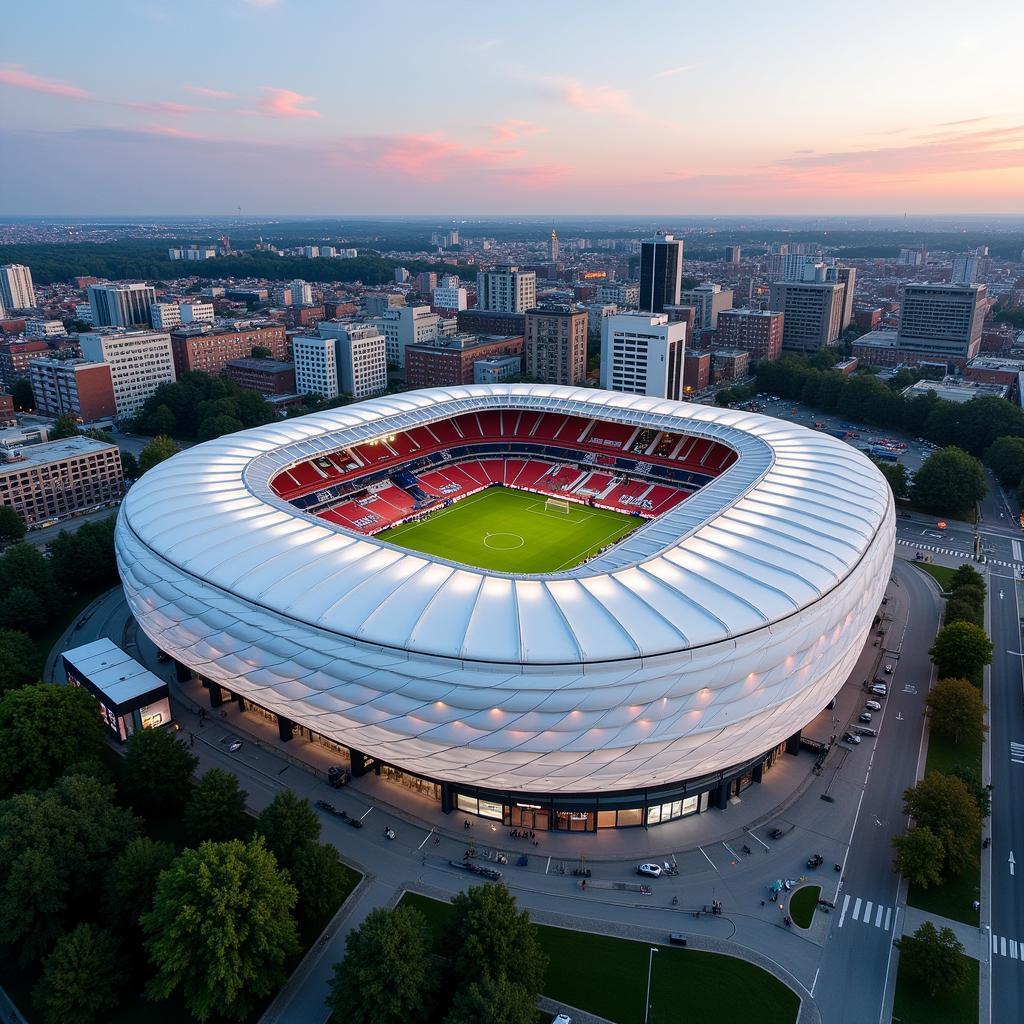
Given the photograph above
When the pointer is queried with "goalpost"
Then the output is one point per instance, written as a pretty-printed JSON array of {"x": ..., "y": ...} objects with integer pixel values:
[{"x": 557, "y": 505}]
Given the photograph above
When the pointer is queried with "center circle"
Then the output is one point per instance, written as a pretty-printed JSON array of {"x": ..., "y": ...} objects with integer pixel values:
[{"x": 503, "y": 541}]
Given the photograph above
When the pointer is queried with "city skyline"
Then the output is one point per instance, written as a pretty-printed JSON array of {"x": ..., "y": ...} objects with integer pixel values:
[{"x": 304, "y": 108}]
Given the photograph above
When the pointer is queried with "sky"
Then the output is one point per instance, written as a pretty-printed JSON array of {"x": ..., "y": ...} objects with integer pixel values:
[{"x": 334, "y": 107}]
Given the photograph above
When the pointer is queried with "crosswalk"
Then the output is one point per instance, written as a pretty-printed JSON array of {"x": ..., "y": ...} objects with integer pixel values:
[
  {"x": 1012, "y": 949},
  {"x": 877, "y": 915},
  {"x": 957, "y": 553}
]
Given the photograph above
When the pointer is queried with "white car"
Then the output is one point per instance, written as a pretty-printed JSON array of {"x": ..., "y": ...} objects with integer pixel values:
[
  {"x": 650, "y": 870},
  {"x": 873, "y": 705},
  {"x": 880, "y": 689},
  {"x": 561, "y": 1019},
  {"x": 888, "y": 669},
  {"x": 851, "y": 738}
]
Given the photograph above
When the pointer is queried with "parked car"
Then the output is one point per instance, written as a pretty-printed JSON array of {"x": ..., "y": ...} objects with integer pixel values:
[
  {"x": 650, "y": 870},
  {"x": 888, "y": 670},
  {"x": 873, "y": 705},
  {"x": 561, "y": 1019},
  {"x": 677, "y": 939},
  {"x": 864, "y": 716},
  {"x": 880, "y": 690},
  {"x": 851, "y": 738}
]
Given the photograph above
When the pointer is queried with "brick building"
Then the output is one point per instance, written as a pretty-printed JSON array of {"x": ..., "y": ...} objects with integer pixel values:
[
  {"x": 6, "y": 409},
  {"x": 73, "y": 387},
  {"x": 428, "y": 366},
  {"x": 58, "y": 478},
  {"x": 485, "y": 321},
  {"x": 729, "y": 364},
  {"x": 756, "y": 331},
  {"x": 555, "y": 345},
  {"x": 696, "y": 370},
  {"x": 267, "y": 376},
  {"x": 210, "y": 348},
  {"x": 15, "y": 357}
]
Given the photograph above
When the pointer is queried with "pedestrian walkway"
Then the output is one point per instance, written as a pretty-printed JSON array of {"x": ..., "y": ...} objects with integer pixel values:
[
  {"x": 866, "y": 912},
  {"x": 973, "y": 939}
]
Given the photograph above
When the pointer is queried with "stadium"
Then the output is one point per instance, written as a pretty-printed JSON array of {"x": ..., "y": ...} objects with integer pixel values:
[{"x": 555, "y": 607}]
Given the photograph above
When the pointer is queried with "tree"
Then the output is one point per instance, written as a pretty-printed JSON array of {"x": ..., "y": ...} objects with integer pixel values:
[
  {"x": 322, "y": 882},
  {"x": 22, "y": 609},
  {"x": 956, "y": 711},
  {"x": 261, "y": 352},
  {"x": 19, "y": 660},
  {"x": 982, "y": 794},
  {"x": 961, "y": 650},
  {"x": 943, "y": 804},
  {"x": 896, "y": 474},
  {"x": 949, "y": 481},
  {"x": 963, "y": 611},
  {"x": 160, "y": 448},
  {"x": 492, "y": 1001},
  {"x": 43, "y": 730},
  {"x": 84, "y": 559},
  {"x": 934, "y": 959},
  {"x": 22, "y": 395},
  {"x": 12, "y": 529},
  {"x": 129, "y": 465},
  {"x": 81, "y": 978},
  {"x": 387, "y": 976},
  {"x": 289, "y": 825},
  {"x": 919, "y": 856},
  {"x": 216, "y": 809},
  {"x": 23, "y": 565},
  {"x": 66, "y": 426},
  {"x": 1005, "y": 457},
  {"x": 221, "y": 928},
  {"x": 490, "y": 938},
  {"x": 156, "y": 772},
  {"x": 131, "y": 881},
  {"x": 725, "y": 397},
  {"x": 217, "y": 426}
]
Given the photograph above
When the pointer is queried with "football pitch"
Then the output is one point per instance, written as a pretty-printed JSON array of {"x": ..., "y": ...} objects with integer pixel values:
[{"x": 512, "y": 531}]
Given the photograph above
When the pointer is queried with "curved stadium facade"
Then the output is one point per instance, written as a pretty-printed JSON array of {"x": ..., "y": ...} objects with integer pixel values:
[{"x": 660, "y": 675}]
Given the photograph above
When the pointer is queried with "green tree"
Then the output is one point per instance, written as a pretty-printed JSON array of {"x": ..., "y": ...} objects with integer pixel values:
[
  {"x": 963, "y": 611},
  {"x": 156, "y": 772},
  {"x": 896, "y": 474},
  {"x": 949, "y": 481},
  {"x": 160, "y": 421},
  {"x": 21, "y": 394},
  {"x": 956, "y": 710},
  {"x": 55, "y": 847},
  {"x": 216, "y": 809},
  {"x": 982, "y": 794},
  {"x": 725, "y": 397},
  {"x": 19, "y": 660},
  {"x": 25, "y": 566},
  {"x": 961, "y": 650},
  {"x": 490, "y": 938},
  {"x": 43, "y": 730},
  {"x": 261, "y": 352},
  {"x": 943, "y": 804},
  {"x": 129, "y": 465},
  {"x": 934, "y": 959},
  {"x": 387, "y": 976},
  {"x": 22, "y": 609},
  {"x": 221, "y": 929},
  {"x": 289, "y": 825},
  {"x": 81, "y": 978},
  {"x": 160, "y": 448},
  {"x": 919, "y": 856},
  {"x": 12, "y": 529},
  {"x": 65, "y": 426},
  {"x": 217, "y": 426},
  {"x": 1005, "y": 457},
  {"x": 492, "y": 1001},
  {"x": 130, "y": 883},
  {"x": 322, "y": 882},
  {"x": 84, "y": 559}
]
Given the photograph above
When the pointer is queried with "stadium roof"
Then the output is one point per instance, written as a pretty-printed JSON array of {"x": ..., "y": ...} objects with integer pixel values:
[{"x": 778, "y": 530}]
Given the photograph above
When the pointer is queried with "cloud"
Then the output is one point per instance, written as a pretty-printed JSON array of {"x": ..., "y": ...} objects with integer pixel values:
[
  {"x": 286, "y": 103},
  {"x": 165, "y": 107},
  {"x": 594, "y": 99},
  {"x": 514, "y": 128},
  {"x": 12, "y": 75},
  {"x": 670, "y": 72},
  {"x": 214, "y": 94}
]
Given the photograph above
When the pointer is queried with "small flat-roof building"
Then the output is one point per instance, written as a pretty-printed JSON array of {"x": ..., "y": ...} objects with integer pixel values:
[
  {"x": 131, "y": 698},
  {"x": 956, "y": 389}
]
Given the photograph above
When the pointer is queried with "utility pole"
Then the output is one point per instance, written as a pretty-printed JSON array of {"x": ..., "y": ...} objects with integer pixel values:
[{"x": 650, "y": 961}]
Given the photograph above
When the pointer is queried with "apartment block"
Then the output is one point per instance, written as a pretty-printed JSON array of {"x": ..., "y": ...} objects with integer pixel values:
[
  {"x": 813, "y": 313},
  {"x": 453, "y": 361},
  {"x": 73, "y": 387},
  {"x": 555, "y": 345},
  {"x": 140, "y": 361},
  {"x": 210, "y": 348},
  {"x": 643, "y": 354},
  {"x": 756, "y": 331},
  {"x": 266, "y": 376}
]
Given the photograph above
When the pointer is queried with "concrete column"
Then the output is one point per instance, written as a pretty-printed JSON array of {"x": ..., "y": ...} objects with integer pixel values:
[
  {"x": 214, "y": 690},
  {"x": 285, "y": 727},
  {"x": 758, "y": 772},
  {"x": 793, "y": 743},
  {"x": 358, "y": 760},
  {"x": 182, "y": 672},
  {"x": 720, "y": 796},
  {"x": 447, "y": 798}
]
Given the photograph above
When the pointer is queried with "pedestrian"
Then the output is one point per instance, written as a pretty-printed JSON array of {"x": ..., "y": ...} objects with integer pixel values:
[
  {"x": 976, "y": 906},
  {"x": 762, "y": 903},
  {"x": 191, "y": 738}
]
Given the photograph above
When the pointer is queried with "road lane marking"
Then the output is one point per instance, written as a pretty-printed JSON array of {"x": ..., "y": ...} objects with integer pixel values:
[
  {"x": 425, "y": 838},
  {"x": 878, "y": 917},
  {"x": 1002, "y": 946},
  {"x": 842, "y": 915},
  {"x": 888, "y": 913},
  {"x": 995, "y": 944},
  {"x": 1018, "y": 555},
  {"x": 707, "y": 858},
  {"x": 867, "y": 912},
  {"x": 856, "y": 910},
  {"x": 1013, "y": 949}
]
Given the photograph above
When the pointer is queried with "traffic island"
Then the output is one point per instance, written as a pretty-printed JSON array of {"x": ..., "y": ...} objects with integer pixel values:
[{"x": 802, "y": 905}]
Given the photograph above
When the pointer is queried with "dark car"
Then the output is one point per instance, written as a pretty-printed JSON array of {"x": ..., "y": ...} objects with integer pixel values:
[{"x": 677, "y": 939}]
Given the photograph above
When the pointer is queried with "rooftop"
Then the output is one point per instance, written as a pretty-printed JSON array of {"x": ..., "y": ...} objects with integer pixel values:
[
  {"x": 54, "y": 451},
  {"x": 266, "y": 365},
  {"x": 955, "y": 389},
  {"x": 109, "y": 669}
]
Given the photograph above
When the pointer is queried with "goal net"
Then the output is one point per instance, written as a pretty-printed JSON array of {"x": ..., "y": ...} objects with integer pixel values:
[{"x": 557, "y": 505}]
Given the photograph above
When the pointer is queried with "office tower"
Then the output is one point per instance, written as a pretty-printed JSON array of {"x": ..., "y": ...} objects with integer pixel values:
[
  {"x": 73, "y": 387},
  {"x": 661, "y": 272},
  {"x": 140, "y": 361},
  {"x": 912, "y": 257},
  {"x": 316, "y": 365},
  {"x": 405, "y": 326},
  {"x": 426, "y": 282},
  {"x": 506, "y": 290},
  {"x": 302, "y": 293},
  {"x": 555, "y": 344},
  {"x": 553, "y": 247},
  {"x": 121, "y": 305},
  {"x": 942, "y": 319},
  {"x": 643, "y": 354},
  {"x": 965, "y": 268},
  {"x": 16, "y": 291},
  {"x": 847, "y": 278},
  {"x": 733, "y": 254},
  {"x": 362, "y": 363},
  {"x": 708, "y": 300},
  {"x": 756, "y": 331},
  {"x": 813, "y": 313}
]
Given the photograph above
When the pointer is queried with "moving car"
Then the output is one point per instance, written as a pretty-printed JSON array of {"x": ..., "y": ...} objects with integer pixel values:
[
  {"x": 864, "y": 716},
  {"x": 650, "y": 870},
  {"x": 873, "y": 705},
  {"x": 888, "y": 670}
]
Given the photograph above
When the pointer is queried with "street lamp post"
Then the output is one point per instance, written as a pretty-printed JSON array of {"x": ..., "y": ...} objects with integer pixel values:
[{"x": 650, "y": 961}]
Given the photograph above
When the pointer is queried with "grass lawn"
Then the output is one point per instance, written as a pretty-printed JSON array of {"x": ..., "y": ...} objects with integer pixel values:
[
  {"x": 608, "y": 977},
  {"x": 512, "y": 531},
  {"x": 914, "y": 1006},
  {"x": 803, "y": 903},
  {"x": 942, "y": 574}
]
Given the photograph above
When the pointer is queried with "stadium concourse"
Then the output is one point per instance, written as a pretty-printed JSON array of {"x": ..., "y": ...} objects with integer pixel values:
[{"x": 652, "y": 678}]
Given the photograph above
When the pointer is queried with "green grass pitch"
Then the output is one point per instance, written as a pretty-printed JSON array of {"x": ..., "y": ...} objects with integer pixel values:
[{"x": 512, "y": 531}]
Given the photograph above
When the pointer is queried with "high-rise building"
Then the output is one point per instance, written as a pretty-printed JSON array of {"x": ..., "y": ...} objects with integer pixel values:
[
  {"x": 302, "y": 293},
  {"x": 140, "y": 361},
  {"x": 756, "y": 331},
  {"x": 708, "y": 300},
  {"x": 555, "y": 344},
  {"x": 847, "y": 278},
  {"x": 450, "y": 296},
  {"x": 661, "y": 272},
  {"x": 506, "y": 290},
  {"x": 73, "y": 387},
  {"x": 362, "y": 363},
  {"x": 316, "y": 365},
  {"x": 553, "y": 247},
  {"x": 405, "y": 326},
  {"x": 733, "y": 254},
  {"x": 813, "y": 313},
  {"x": 942, "y": 319},
  {"x": 912, "y": 257},
  {"x": 643, "y": 354},
  {"x": 426, "y": 282},
  {"x": 121, "y": 305},
  {"x": 16, "y": 291},
  {"x": 965, "y": 268},
  {"x": 624, "y": 294}
]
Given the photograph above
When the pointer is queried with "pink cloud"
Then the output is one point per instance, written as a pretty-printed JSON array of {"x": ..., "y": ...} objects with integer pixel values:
[
  {"x": 167, "y": 131},
  {"x": 214, "y": 94},
  {"x": 166, "y": 107},
  {"x": 286, "y": 103},
  {"x": 12, "y": 75},
  {"x": 594, "y": 99},
  {"x": 514, "y": 128}
]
